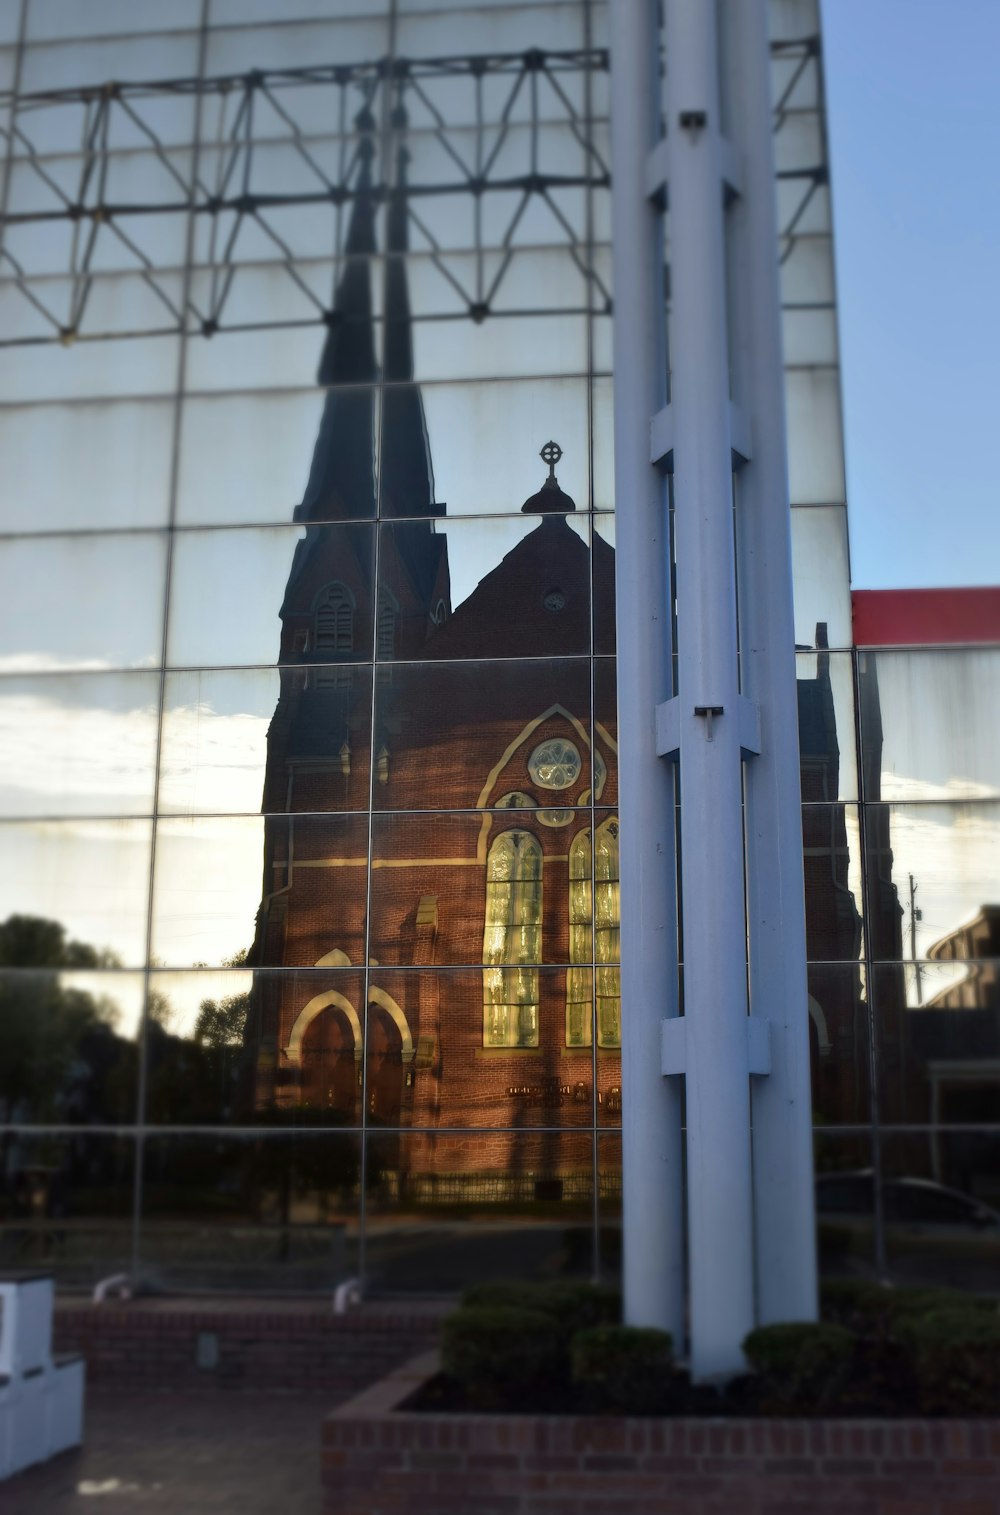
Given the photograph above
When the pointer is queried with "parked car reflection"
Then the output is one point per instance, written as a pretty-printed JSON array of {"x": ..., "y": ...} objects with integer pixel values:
[{"x": 934, "y": 1235}]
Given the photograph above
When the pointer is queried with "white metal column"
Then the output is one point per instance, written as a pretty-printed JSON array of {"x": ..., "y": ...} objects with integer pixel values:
[
  {"x": 651, "y": 1131},
  {"x": 785, "y": 1238},
  {"x": 750, "y": 1224},
  {"x": 712, "y": 1051}
]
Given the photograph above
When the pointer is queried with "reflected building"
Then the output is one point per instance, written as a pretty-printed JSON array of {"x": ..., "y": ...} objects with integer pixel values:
[{"x": 482, "y": 744}]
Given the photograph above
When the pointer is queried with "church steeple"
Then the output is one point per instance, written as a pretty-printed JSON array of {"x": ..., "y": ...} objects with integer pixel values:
[
  {"x": 342, "y": 477},
  {"x": 407, "y": 472}
]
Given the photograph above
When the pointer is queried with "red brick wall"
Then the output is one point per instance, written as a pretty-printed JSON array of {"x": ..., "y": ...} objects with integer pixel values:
[
  {"x": 153, "y": 1346},
  {"x": 376, "y": 1462}
]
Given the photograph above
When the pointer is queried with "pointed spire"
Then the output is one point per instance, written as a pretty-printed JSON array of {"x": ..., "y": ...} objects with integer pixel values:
[
  {"x": 407, "y": 472},
  {"x": 342, "y": 476},
  {"x": 349, "y": 352}
]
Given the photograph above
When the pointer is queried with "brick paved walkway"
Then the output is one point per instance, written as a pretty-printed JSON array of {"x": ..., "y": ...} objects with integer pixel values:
[{"x": 171, "y": 1454}]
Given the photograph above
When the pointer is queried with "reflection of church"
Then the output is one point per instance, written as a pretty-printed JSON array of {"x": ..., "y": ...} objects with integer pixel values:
[
  {"x": 492, "y": 787},
  {"x": 508, "y": 874}
]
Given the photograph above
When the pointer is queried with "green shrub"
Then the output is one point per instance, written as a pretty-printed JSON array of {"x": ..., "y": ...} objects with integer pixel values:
[
  {"x": 955, "y": 1352},
  {"x": 624, "y": 1368},
  {"x": 572, "y": 1306},
  {"x": 873, "y": 1309},
  {"x": 501, "y": 1353},
  {"x": 803, "y": 1365},
  {"x": 856, "y": 1303}
]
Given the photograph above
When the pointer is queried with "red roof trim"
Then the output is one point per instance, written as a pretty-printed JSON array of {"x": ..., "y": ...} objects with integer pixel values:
[{"x": 925, "y": 617}]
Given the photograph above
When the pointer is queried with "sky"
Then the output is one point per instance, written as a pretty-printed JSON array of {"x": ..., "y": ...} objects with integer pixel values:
[{"x": 914, "y": 124}]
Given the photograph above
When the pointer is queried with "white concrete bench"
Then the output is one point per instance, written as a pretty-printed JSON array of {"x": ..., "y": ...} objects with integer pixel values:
[{"x": 41, "y": 1397}]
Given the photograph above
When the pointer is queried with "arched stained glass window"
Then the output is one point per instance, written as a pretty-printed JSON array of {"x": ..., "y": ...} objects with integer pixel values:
[
  {"x": 594, "y": 920},
  {"x": 512, "y": 941}
]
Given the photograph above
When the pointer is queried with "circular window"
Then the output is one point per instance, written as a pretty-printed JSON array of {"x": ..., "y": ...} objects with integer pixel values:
[
  {"x": 554, "y": 599},
  {"x": 555, "y": 764},
  {"x": 551, "y": 817}
]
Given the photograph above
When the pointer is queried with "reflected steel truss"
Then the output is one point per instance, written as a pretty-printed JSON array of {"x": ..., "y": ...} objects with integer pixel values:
[{"x": 511, "y": 102}]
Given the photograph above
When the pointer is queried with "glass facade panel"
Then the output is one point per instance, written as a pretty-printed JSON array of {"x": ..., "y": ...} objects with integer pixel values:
[
  {"x": 88, "y": 877},
  {"x": 466, "y": 735},
  {"x": 444, "y": 586},
  {"x": 68, "y": 1052},
  {"x": 66, "y": 1205},
  {"x": 233, "y": 50},
  {"x": 815, "y": 447},
  {"x": 845, "y": 1206},
  {"x": 446, "y": 1211},
  {"x": 254, "y": 596},
  {"x": 80, "y": 745},
  {"x": 484, "y": 440},
  {"x": 431, "y": 1065},
  {"x": 50, "y": 20},
  {"x": 810, "y": 336},
  {"x": 505, "y": 876},
  {"x": 116, "y": 457},
  {"x": 247, "y": 458},
  {"x": 940, "y": 1200},
  {"x": 290, "y": 739},
  {"x": 950, "y": 856},
  {"x": 840, "y": 1045},
  {"x": 269, "y": 1213},
  {"x": 930, "y": 724},
  {"x": 827, "y": 746},
  {"x": 832, "y": 863},
  {"x": 123, "y": 368},
  {"x": 939, "y": 1041},
  {"x": 211, "y": 908},
  {"x": 608, "y": 1249},
  {"x": 820, "y": 573},
  {"x": 81, "y": 602}
]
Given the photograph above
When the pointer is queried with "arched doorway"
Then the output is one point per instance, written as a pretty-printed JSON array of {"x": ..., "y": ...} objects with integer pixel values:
[{"x": 324, "y": 1049}]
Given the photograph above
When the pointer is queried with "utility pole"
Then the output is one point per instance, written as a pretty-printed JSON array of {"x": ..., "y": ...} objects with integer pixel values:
[{"x": 916, "y": 914}]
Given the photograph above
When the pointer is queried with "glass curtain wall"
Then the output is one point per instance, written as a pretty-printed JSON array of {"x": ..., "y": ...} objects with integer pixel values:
[
  {"x": 306, "y": 661},
  {"x": 309, "y": 908}
]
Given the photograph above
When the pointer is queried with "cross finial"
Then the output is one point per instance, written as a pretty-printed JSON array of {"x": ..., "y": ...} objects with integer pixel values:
[{"x": 551, "y": 453}]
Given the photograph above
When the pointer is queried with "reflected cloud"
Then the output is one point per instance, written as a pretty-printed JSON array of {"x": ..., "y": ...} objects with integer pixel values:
[{"x": 64, "y": 755}]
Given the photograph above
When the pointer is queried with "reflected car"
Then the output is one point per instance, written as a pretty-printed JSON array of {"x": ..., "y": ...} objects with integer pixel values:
[{"x": 905, "y": 1201}]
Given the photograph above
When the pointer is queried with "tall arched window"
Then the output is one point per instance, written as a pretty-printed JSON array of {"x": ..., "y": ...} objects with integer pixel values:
[
  {"x": 386, "y": 621},
  {"x": 388, "y": 610},
  {"x": 598, "y": 911},
  {"x": 512, "y": 941},
  {"x": 333, "y": 620},
  {"x": 333, "y": 633}
]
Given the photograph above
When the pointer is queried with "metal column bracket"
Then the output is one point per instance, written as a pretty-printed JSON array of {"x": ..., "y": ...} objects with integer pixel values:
[
  {"x": 658, "y": 164},
  {"x": 673, "y": 1046},
  {"x": 668, "y": 725},
  {"x": 661, "y": 438}
]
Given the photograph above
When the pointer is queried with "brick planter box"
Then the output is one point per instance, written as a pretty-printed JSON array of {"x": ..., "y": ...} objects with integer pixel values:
[
  {"x": 251, "y": 1344},
  {"x": 380, "y": 1460}
]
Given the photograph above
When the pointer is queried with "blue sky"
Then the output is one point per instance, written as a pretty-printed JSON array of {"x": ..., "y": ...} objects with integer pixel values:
[{"x": 914, "y": 122}]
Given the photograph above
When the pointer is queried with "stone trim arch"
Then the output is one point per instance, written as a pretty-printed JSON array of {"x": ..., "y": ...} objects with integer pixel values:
[
  {"x": 308, "y": 1014},
  {"x": 379, "y": 997},
  {"x": 334, "y": 959},
  {"x": 819, "y": 1021}
]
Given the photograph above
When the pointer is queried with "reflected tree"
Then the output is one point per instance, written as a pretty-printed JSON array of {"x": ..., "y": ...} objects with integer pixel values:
[{"x": 60, "y": 1056}]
